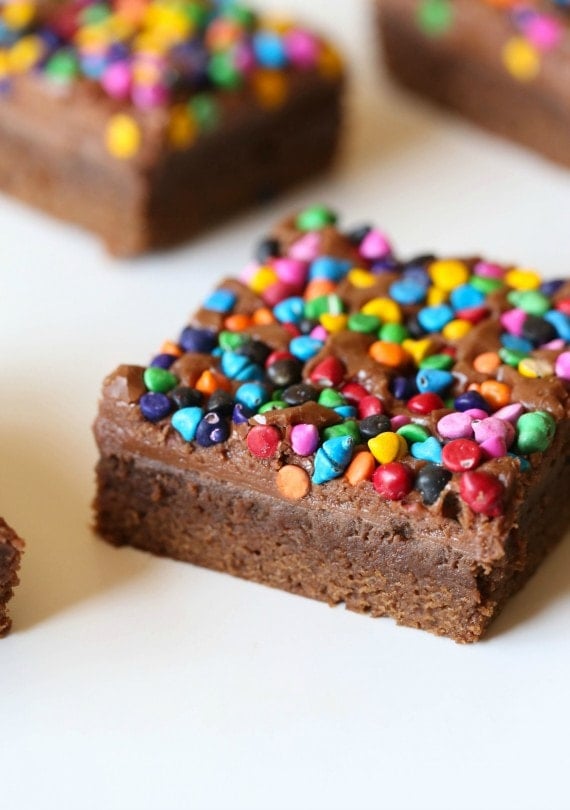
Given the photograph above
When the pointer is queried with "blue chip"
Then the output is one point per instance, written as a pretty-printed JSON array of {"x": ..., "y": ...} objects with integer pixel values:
[
  {"x": 407, "y": 292},
  {"x": 186, "y": 421},
  {"x": 560, "y": 322},
  {"x": 330, "y": 268},
  {"x": 269, "y": 50},
  {"x": 220, "y": 301},
  {"x": 433, "y": 380},
  {"x": 515, "y": 343},
  {"x": 304, "y": 347},
  {"x": 291, "y": 310},
  {"x": 428, "y": 450},
  {"x": 465, "y": 296},
  {"x": 433, "y": 319}
]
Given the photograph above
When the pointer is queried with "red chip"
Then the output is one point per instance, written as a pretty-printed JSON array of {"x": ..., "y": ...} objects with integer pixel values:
[
  {"x": 263, "y": 441},
  {"x": 460, "y": 455},
  {"x": 482, "y": 492},
  {"x": 472, "y": 314},
  {"x": 370, "y": 406},
  {"x": 425, "y": 403},
  {"x": 353, "y": 392},
  {"x": 393, "y": 481},
  {"x": 329, "y": 372},
  {"x": 292, "y": 329}
]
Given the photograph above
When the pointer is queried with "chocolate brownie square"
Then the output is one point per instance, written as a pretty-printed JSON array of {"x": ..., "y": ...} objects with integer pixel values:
[
  {"x": 11, "y": 547},
  {"x": 501, "y": 64},
  {"x": 346, "y": 424},
  {"x": 146, "y": 121}
]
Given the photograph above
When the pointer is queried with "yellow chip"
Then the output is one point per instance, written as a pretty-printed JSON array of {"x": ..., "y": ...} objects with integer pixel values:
[
  {"x": 523, "y": 279},
  {"x": 521, "y": 59},
  {"x": 384, "y": 308},
  {"x": 447, "y": 274},
  {"x": 361, "y": 278},
  {"x": 123, "y": 136}
]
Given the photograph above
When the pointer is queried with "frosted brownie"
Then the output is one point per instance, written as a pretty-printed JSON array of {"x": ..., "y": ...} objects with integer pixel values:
[
  {"x": 501, "y": 63},
  {"x": 11, "y": 547},
  {"x": 146, "y": 121},
  {"x": 352, "y": 426}
]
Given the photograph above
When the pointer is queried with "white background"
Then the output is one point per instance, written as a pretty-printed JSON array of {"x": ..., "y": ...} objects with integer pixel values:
[{"x": 133, "y": 683}]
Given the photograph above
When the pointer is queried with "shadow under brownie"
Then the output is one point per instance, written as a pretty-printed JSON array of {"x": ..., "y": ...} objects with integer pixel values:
[{"x": 354, "y": 427}]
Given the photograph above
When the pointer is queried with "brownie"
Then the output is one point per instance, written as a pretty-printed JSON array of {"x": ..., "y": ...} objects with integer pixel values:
[
  {"x": 501, "y": 64},
  {"x": 11, "y": 547},
  {"x": 352, "y": 426},
  {"x": 146, "y": 122}
]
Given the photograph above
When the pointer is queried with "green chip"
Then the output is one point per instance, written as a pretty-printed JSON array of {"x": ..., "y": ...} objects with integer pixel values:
[{"x": 435, "y": 16}]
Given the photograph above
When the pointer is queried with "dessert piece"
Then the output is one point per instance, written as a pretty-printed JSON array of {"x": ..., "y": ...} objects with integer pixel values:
[
  {"x": 149, "y": 120},
  {"x": 501, "y": 63},
  {"x": 354, "y": 427},
  {"x": 11, "y": 547}
]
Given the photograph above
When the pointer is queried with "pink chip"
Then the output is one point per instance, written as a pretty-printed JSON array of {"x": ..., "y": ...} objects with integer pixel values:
[
  {"x": 307, "y": 248},
  {"x": 543, "y": 31},
  {"x": 455, "y": 426},
  {"x": 116, "y": 80},
  {"x": 248, "y": 272},
  {"x": 375, "y": 245},
  {"x": 302, "y": 48},
  {"x": 562, "y": 366},
  {"x": 489, "y": 428},
  {"x": 510, "y": 413},
  {"x": 291, "y": 271},
  {"x": 319, "y": 333},
  {"x": 304, "y": 439},
  {"x": 488, "y": 270},
  {"x": 513, "y": 321},
  {"x": 495, "y": 447}
]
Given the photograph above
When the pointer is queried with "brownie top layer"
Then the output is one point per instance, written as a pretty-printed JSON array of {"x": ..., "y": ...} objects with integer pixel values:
[
  {"x": 151, "y": 75},
  {"x": 430, "y": 385},
  {"x": 526, "y": 38}
]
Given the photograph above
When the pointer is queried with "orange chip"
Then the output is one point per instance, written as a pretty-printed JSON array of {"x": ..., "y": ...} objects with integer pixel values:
[
  {"x": 360, "y": 468},
  {"x": 389, "y": 354},
  {"x": 293, "y": 482},
  {"x": 237, "y": 323},
  {"x": 318, "y": 287},
  {"x": 210, "y": 381},
  {"x": 496, "y": 393},
  {"x": 169, "y": 347},
  {"x": 487, "y": 362},
  {"x": 263, "y": 317}
]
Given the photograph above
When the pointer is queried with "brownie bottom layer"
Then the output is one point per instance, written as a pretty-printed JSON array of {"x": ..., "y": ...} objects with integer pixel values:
[
  {"x": 379, "y": 570},
  {"x": 489, "y": 97},
  {"x": 134, "y": 210}
]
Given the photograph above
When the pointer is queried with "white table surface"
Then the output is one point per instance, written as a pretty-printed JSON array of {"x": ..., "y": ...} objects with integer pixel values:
[{"x": 130, "y": 682}]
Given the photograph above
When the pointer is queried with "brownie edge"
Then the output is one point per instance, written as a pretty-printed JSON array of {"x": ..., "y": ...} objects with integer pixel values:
[{"x": 11, "y": 548}]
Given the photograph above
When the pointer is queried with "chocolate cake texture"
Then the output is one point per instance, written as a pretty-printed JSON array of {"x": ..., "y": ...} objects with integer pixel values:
[
  {"x": 352, "y": 426},
  {"x": 146, "y": 121},
  {"x": 501, "y": 63},
  {"x": 11, "y": 547}
]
